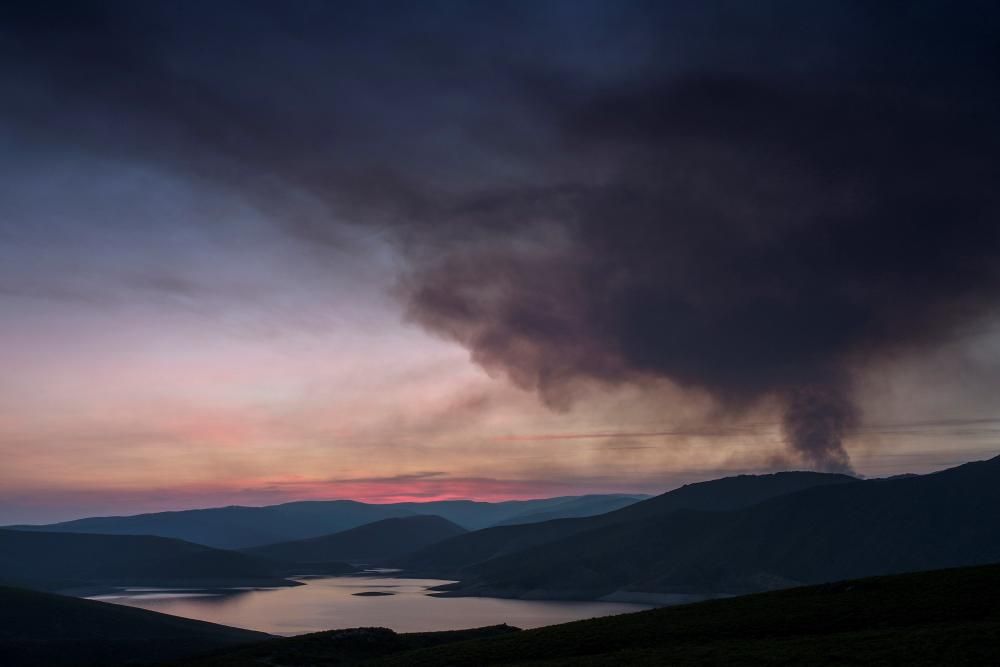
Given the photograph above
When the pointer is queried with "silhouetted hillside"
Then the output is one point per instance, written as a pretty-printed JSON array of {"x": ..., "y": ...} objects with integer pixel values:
[
  {"x": 453, "y": 557},
  {"x": 334, "y": 648},
  {"x": 825, "y": 533},
  {"x": 373, "y": 542},
  {"x": 53, "y": 561},
  {"x": 243, "y": 527},
  {"x": 45, "y": 630}
]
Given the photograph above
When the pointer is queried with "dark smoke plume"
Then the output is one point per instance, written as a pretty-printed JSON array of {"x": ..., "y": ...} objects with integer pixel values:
[
  {"x": 754, "y": 200},
  {"x": 816, "y": 420},
  {"x": 754, "y": 241}
]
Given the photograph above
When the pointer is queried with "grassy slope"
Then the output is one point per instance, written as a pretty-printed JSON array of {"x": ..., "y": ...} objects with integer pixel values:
[
  {"x": 930, "y": 618},
  {"x": 340, "y": 647},
  {"x": 45, "y": 629}
]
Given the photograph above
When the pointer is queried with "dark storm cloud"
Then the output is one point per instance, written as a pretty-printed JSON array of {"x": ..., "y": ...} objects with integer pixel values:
[{"x": 753, "y": 201}]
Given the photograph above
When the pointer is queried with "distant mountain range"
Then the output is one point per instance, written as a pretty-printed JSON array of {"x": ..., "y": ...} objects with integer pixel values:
[
  {"x": 52, "y": 558},
  {"x": 242, "y": 527},
  {"x": 372, "y": 543},
  {"x": 729, "y": 536},
  {"x": 828, "y": 531}
]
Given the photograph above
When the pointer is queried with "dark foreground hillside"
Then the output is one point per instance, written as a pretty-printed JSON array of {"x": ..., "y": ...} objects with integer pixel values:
[
  {"x": 945, "y": 617},
  {"x": 46, "y": 630},
  {"x": 64, "y": 561},
  {"x": 336, "y": 648}
]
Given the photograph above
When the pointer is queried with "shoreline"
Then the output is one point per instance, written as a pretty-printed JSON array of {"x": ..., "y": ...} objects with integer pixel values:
[{"x": 650, "y": 598}]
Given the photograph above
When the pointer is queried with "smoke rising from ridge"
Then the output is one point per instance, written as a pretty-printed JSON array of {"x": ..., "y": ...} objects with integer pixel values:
[{"x": 752, "y": 241}]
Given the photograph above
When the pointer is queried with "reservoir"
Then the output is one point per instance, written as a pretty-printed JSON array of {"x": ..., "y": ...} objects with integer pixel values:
[{"x": 328, "y": 603}]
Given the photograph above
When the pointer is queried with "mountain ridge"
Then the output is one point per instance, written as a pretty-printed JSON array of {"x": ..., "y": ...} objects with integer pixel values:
[
  {"x": 240, "y": 527},
  {"x": 451, "y": 557},
  {"x": 823, "y": 533}
]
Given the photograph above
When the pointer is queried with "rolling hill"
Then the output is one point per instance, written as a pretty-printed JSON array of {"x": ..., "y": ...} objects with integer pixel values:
[
  {"x": 825, "y": 533},
  {"x": 59, "y": 561},
  {"x": 242, "y": 527},
  {"x": 453, "y": 557},
  {"x": 371, "y": 543},
  {"x": 46, "y": 630}
]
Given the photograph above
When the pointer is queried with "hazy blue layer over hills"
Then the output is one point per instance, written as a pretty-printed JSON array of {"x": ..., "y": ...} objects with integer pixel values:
[
  {"x": 241, "y": 527},
  {"x": 474, "y": 515},
  {"x": 825, "y": 533},
  {"x": 574, "y": 508},
  {"x": 453, "y": 557},
  {"x": 371, "y": 543},
  {"x": 48, "y": 630},
  {"x": 236, "y": 527},
  {"x": 54, "y": 561}
]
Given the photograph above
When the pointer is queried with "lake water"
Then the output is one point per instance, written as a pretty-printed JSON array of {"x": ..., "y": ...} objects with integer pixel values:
[{"x": 330, "y": 602}]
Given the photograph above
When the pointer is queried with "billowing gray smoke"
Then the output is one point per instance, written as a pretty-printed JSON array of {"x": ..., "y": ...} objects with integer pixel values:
[
  {"x": 754, "y": 200},
  {"x": 754, "y": 241}
]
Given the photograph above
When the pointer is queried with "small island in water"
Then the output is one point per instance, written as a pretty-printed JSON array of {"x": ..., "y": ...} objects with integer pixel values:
[{"x": 372, "y": 594}]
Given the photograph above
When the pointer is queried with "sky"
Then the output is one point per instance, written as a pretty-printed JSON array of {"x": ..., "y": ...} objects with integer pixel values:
[{"x": 254, "y": 252}]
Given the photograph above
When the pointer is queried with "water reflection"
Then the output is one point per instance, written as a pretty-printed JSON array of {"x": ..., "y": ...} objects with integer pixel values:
[{"x": 332, "y": 602}]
